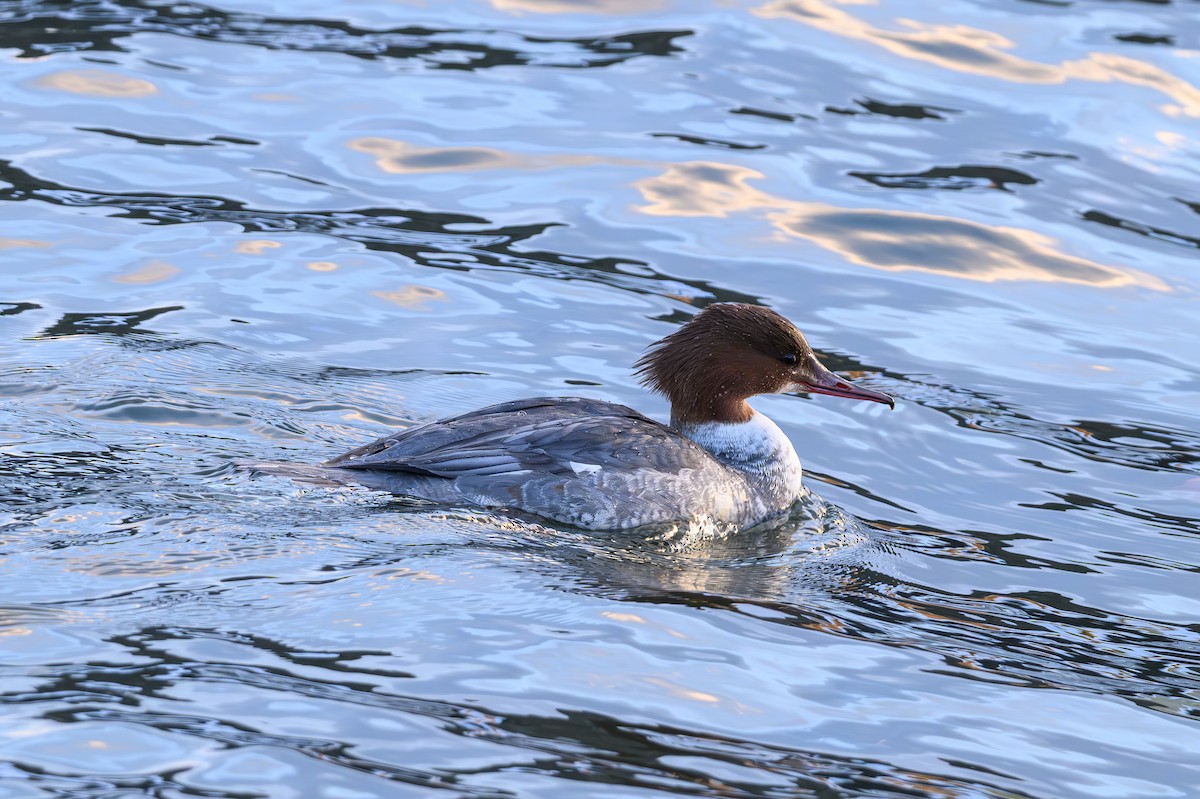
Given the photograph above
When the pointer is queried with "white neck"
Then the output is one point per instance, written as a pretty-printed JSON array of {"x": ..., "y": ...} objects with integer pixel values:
[{"x": 756, "y": 447}]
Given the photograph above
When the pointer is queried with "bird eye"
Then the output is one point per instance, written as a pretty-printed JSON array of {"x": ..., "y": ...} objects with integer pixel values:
[{"x": 790, "y": 359}]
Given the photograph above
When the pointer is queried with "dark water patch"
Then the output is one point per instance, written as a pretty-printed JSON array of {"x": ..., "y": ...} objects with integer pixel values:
[
  {"x": 1149, "y": 231},
  {"x": 36, "y": 29},
  {"x": 149, "y": 643},
  {"x": 1043, "y": 154},
  {"x": 895, "y": 110},
  {"x": 291, "y": 176},
  {"x": 705, "y": 142},
  {"x": 14, "y": 308},
  {"x": 955, "y": 178},
  {"x": 778, "y": 116},
  {"x": 235, "y": 140},
  {"x": 1146, "y": 38},
  {"x": 159, "y": 141},
  {"x": 111, "y": 323}
]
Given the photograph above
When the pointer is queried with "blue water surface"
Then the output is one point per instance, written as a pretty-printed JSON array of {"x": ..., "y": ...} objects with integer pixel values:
[{"x": 271, "y": 231}]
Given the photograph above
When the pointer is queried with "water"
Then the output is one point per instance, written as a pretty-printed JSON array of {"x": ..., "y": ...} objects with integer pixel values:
[{"x": 272, "y": 230}]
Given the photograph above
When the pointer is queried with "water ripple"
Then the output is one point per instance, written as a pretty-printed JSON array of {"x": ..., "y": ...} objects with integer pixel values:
[
  {"x": 271, "y": 232},
  {"x": 40, "y": 27},
  {"x": 573, "y": 746},
  {"x": 424, "y": 237}
]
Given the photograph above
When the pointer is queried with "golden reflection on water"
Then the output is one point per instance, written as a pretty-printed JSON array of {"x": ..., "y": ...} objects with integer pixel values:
[
  {"x": 98, "y": 82},
  {"x": 7, "y": 243},
  {"x": 321, "y": 266},
  {"x": 152, "y": 272},
  {"x": 1171, "y": 139},
  {"x": 278, "y": 97},
  {"x": 979, "y": 52},
  {"x": 413, "y": 297},
  {"x": 633, "y": 618},
  {"x": 882, "y": 239},
  {"x": 401, "y": 157},
  {"x": 682, "y": 692},
  {"x": 255, "y": 246}
]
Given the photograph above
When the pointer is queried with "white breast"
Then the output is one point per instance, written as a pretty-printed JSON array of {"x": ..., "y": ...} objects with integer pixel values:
[{"x": 757, "y": 447}]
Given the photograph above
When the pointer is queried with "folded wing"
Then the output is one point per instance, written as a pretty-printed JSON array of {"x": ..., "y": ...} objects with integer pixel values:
[{"x": 564, "y": 437}]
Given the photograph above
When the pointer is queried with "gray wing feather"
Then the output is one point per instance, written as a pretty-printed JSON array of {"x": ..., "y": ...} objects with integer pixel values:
[
  {"x": 538, "y": 455},
  {"x": 536, "y": 435}
]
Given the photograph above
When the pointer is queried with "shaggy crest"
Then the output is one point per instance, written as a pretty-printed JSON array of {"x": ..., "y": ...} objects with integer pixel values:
[{"x": 726, "y": 353}]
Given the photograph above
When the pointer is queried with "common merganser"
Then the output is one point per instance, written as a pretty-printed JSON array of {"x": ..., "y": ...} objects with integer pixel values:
[{"x": 603, "y": 466}]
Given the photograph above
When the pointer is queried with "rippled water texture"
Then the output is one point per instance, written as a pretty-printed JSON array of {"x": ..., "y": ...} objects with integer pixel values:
[{"x": 272, "y": 230}]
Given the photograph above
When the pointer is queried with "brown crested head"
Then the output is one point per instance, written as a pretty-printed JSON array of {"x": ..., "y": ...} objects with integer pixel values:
[{"x": 729, "y": 352}]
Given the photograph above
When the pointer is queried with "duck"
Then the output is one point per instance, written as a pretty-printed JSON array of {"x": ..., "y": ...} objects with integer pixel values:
[{"x": 600, "y": 465}]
